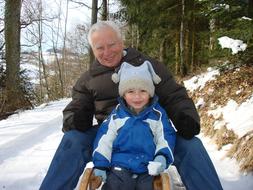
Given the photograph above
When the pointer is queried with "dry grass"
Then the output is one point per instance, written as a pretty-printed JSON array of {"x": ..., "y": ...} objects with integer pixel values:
[
  {"x": 224, "y": 136},
  {"x": 236, "y": 84},
  {"x": 242, "y": 150}
]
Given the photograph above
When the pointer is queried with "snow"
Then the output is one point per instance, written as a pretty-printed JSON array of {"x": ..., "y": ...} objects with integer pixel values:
[
  {"x": 32, "y": 72},
  {"x": 230, "y": 114},
  {"x": 199, "y": 81},
  {"x": 246, "y": 18},
  {"x": 28, "y": 141},
  {"x": 234, "y": 45}
]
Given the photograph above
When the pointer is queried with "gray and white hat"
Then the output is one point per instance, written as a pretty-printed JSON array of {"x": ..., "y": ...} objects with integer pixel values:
[{"x": 136, "y": 77}]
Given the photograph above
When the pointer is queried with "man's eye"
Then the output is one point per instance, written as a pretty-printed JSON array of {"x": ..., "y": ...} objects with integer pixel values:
[
  {"x": 112, "y": 44},
  {"x": 99, "y": 48}
]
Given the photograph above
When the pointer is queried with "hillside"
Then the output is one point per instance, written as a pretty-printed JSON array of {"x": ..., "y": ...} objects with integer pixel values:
[{"x": 231, "y": 88}]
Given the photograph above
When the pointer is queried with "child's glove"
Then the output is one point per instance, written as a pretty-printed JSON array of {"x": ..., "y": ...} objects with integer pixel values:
[
  {"x": 100, "y": 173},
  {"x": 157, "y": 166}
]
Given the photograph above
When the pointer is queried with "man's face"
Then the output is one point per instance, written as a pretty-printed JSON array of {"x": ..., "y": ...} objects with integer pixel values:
[{"x": 107, "y": 47}]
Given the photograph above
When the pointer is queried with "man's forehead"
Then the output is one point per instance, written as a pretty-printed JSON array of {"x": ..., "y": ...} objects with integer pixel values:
[{"x": 103, "y": 42}]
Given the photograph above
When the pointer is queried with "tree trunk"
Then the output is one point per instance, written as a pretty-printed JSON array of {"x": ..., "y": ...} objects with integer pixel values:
[
  {"x": 250, "y": 8},
  {"x": 187, "y": 54},
  {"x": 104, "y": 10},
  {"x": 212, "y": 36},
  {"x": 14, "y": 94},
  {"x": 183, "y": 69},
  {"x": 162, "y": 50},
  {"x": 193, "y": 42},
  {"x": 193, "y": 50},
  {"x": 94, "y": 13},
  {"x": 64, "y": 52},
  {"x": 137, "y": 37},
  {"x": 177, "y": 54},
  {"x": 41, "y": 59},
  {"x": 59, "y": 72},
  {"x": 55, "y": 48}
]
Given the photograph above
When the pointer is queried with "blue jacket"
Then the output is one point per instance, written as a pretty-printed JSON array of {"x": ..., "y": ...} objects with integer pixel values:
[{"x": 131, "y": 141}]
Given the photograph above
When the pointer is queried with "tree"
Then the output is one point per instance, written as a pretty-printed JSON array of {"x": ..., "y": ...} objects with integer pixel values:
[
  {"x": 104, "y": 10},
  {"x": 64, "y": 71},
  {"x": 42, "y": 65},
  {"x": 183, "y": 68},
  {"x": 15, "y": 97},
  {"x": 183, "y": 34},
  {"x": 250, "y": 8},
  {"x": 94, "y": 18}
]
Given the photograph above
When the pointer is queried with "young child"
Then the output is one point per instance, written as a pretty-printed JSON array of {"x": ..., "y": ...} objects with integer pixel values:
[{"x": 136, "y": 141}]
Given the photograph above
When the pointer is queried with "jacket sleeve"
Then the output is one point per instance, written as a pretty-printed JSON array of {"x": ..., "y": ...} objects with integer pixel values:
[
  {"x": 166, "y": 132},
  {"x": 179, "y": 106},
  {"x": 103, "y": 143},
  {"x": 79, "y": 113}
]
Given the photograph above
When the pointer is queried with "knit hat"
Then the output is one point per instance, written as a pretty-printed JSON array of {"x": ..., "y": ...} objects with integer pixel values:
[{"x": 136, "y": 77}]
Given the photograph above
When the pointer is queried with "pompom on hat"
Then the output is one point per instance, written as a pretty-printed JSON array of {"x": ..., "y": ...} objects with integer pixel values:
[{"x": 136, "y": 77}]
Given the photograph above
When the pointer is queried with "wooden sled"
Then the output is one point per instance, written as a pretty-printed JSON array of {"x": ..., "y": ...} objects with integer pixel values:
[{"x": 91, "y": 182}]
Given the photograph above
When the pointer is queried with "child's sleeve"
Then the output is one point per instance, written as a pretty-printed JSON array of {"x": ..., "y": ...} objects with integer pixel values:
[
  {"x": 103, "y": 143},
  {"x": 165, "y": 138}
]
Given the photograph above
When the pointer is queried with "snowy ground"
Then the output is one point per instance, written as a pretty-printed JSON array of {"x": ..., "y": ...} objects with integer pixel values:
[{"x": 28, "y": 141}]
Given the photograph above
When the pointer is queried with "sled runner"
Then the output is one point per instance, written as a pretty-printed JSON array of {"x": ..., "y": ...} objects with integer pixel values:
[{"x": 91, "y": 182}]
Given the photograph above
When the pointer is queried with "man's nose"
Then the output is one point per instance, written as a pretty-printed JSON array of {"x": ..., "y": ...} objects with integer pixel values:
[{"x": 107, "y": 51}]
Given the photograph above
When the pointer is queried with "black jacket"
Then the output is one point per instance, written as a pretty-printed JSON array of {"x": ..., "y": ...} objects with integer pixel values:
[{"x": 96, "y": 94}]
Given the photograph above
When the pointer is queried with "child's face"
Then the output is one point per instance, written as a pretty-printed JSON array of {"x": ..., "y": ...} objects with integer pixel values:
[{"x": 137, "y": 99}]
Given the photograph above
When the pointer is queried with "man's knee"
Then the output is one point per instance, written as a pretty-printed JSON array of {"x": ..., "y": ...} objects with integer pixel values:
[
  {"x": 191, "y": 146},
  {"x": 79, "y": 139}
]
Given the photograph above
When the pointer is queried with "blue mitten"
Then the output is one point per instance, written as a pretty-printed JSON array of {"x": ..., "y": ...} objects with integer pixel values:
[
  {"x": 100, "y": 173},
  {"x": 162, "y": 160},
  {"x": 157, "y": 166}
]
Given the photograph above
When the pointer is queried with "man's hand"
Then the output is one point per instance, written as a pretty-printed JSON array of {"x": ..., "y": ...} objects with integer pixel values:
[{"x": 187, "y": 126}]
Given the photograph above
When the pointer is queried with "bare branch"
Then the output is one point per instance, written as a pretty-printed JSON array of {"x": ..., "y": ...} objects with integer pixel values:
[
  {"x": 81, "y": 3},
  {"x": 2, "y": 46}
]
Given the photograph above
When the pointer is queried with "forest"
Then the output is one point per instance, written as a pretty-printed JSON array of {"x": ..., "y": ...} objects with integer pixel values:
[{"x": 181, "y": 34}]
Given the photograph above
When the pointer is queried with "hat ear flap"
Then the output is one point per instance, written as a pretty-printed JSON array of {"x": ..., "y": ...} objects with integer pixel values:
[
  {"x": 115, "y": 77},
  {"x": 155, "y": 77}
]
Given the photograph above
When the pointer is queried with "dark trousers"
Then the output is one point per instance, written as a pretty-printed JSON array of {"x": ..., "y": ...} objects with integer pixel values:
[{"x": 125, "y": 180}]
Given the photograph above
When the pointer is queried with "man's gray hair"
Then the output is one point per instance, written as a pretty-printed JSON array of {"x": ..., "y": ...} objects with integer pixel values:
[{"x": 102, "y": 25}]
